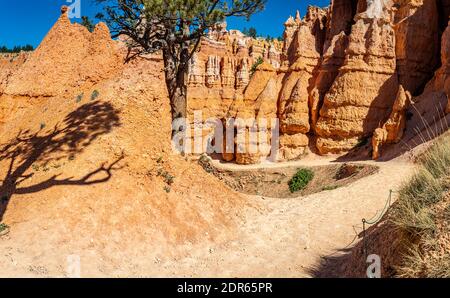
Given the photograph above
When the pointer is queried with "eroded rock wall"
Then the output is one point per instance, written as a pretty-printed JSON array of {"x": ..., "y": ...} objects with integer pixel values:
[
  {"x": 364, "y": 91},
  {"x": 221, "y": 69},
  {"x": 417, "y": 48},
  {"x": 345, "y": 72},
  {"x": 341, "y": 73},
  {"x": 283, "y": 93}
]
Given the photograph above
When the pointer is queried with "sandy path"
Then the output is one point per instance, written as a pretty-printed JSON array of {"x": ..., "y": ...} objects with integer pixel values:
[
  {"x": 291, "y": 237},
  {"x": 285, "y": 238}
]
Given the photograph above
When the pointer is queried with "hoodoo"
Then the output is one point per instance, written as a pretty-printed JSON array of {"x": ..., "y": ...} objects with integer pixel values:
[{"x": 386, "y": 48}]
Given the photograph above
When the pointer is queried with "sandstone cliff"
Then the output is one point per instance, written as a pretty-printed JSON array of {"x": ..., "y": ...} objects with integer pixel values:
[
  {"x": 348, "y": 114},
  {"x": 344, "y": 74},
  {"x": 277, "y": 89}
]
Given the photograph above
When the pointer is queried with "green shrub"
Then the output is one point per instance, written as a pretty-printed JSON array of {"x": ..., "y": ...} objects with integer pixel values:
[
  {"x": 300, "y": 180},
  {"x": 79, "y": 98},
  {"x": 256, "y": 64},
  {"x": 95, "y": 94},
  {"x": 3, "y": 227},
  {"x": 168, "y": 178}
]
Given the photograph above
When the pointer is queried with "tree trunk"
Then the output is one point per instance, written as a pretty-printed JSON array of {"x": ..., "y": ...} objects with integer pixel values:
[{"x": 176, "y": 85}]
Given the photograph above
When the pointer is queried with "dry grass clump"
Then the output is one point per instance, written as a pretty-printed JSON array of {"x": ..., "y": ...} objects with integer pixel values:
[
  {"x": 422, "y": 213},
  {"x": 436, "y": 159}
]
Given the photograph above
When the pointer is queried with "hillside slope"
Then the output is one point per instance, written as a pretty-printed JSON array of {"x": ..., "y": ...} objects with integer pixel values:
[{"x": 86, "y": 162}]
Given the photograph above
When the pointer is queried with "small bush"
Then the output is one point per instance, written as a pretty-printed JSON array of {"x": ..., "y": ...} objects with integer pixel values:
[
  {"x": 79, "y": 98},
  {"x": 95, "y": 94},
  {"x": 168, "y": 178},
  {"x": 3, "y": 227},
  {"x": 256, "y": 64},
  {"x": 326, "y": 188},
  {"x": 300, "y": 180}
]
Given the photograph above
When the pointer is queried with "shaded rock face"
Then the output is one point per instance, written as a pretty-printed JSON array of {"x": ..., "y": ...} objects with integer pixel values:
[
  {"x": 430, "y": 110},
  {"x": 417, "y": 42},
  {"x": 393, "y": 130}
]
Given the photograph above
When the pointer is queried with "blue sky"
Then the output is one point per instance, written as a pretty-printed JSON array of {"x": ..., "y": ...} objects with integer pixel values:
[{"x": 28, "y": 21}]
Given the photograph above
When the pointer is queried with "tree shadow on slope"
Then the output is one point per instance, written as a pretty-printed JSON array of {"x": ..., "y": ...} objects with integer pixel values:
[{"x": 67, "y": 139}]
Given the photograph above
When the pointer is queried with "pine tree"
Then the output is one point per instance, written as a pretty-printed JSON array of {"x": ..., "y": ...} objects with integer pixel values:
[{"x": 174, "y": 27}]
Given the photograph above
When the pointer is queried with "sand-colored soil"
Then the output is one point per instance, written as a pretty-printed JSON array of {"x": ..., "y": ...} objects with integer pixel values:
[{"x": 283, "y": 237}]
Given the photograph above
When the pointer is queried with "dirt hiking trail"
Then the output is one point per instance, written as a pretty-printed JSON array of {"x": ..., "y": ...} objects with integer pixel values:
[
  {"x": 281, "y": 238},
  {"x": 293, "y": 234}
]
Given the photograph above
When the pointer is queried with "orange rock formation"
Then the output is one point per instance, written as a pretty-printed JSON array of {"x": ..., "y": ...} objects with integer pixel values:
[
  {"x": 343, "y": 75},
  {"x": 341, "y": 72}
]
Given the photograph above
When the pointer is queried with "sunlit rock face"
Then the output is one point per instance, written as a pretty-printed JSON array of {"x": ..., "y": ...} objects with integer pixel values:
[
  {"x": 337, "y": 74},
  {"x": 350, "y": 114},
  {"x": 354, "y": 71},
  {"x": 283, "y": 93},
  {"x": 221, "y": 69},
  {"x": 60, "y": 64},
  {"x": 69, "y": 60}
]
